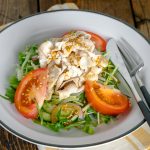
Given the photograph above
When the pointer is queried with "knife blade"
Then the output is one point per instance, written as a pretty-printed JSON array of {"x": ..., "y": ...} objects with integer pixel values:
[{"x": 118, "y": 61}]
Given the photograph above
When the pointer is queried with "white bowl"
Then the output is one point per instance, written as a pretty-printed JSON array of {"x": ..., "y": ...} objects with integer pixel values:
[{"x": 36, "y": 29}]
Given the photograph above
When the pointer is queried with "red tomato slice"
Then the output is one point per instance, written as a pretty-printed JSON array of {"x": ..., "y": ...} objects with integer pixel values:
[
  {"x": 100, "y": 43},
  {"x": 105, "y": 100},
  {"x": 31, "y": 92}
]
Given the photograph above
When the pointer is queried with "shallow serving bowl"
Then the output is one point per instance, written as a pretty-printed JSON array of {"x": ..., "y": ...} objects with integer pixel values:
[{"x": 40, "y": 27}]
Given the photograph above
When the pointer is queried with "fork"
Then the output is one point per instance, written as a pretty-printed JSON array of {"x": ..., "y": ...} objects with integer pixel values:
[{"x": 134, "y": 64}]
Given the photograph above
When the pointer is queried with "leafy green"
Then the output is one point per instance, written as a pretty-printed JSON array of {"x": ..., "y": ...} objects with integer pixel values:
[
  {"x": 82, "y": 98},
  {"x": 77, "y": 124},
  {"x": 90, "y": 110},
  {"x": 88, "y": 129},
  {"x": 52, "y": 126},
  {"x": 55, "y": 100},
  {"x": 26, "y": 63},
  {"x": 77, "y": 99},
  {"x": 4, "y": 97},
  {"x": 108, "y": 75},
  {"x": 13, "y": 81},
  {"x": 10, "y": 91},
  {"x": 105, "y": 118}
]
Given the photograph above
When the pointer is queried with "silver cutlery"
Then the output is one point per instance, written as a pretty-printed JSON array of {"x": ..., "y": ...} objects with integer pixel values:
[
  {"x": 117, "y": 59},
  {"x": 134, "y": 64}
]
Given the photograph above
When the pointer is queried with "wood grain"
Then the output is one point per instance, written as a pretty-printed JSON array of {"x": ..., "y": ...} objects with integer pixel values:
[
  {"x": 118, "y": 8},
  {"x": 141, "y": 10},
  {"x": 11, "y": 142},
  {"x": 11, "y": 10},
  {"x": 45, "y": 4}
]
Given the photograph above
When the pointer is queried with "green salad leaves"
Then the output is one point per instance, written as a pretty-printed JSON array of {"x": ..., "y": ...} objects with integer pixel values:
[{"x": 27, "y": 61}]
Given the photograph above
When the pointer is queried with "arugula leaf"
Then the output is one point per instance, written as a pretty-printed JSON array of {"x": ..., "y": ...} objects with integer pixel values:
[
  {"x": 75, "y": 124},
  {"x": 88, "y": 129},
  {"x": 108, "y": 75},
  {"x": 4, "y": 97},
  {"x": 88, "y": 119},
  {"x": 52, "y": 126},
  {"x": 10, "y": 93},
  {"x": 21, "y": 57},
  {"x": 82, "y": 97},
  {"x": 25, "y": 62},
  {"x": 105, "y": 118},
  {"x": 13, "y": 81}
]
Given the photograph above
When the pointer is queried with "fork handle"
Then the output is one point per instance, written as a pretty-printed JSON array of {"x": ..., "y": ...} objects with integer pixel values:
[
  {"x": 145, "y": 94},
  {"x": 143, "y": 89},
  {"x": 145, "y": 111}
]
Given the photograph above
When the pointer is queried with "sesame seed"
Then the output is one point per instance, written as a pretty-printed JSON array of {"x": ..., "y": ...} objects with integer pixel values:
[
  {"x": 24, "y": 101},
  {"x": 44, "y": 78}
]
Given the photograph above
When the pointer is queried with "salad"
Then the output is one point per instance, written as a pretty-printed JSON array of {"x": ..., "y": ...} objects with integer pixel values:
[{"x": 67, "y": 82}]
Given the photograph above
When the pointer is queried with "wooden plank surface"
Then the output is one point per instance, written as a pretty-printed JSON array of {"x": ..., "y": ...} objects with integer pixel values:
[
  {"x": 141, "y": 10},
  {"x": 11, "y": 142},
  {"x": 11, "y": 10},
  {"x": 118, "y": 8}
]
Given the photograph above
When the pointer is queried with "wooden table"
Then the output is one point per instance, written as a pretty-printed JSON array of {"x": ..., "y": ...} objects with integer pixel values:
[{"x": 134, "y": 12}]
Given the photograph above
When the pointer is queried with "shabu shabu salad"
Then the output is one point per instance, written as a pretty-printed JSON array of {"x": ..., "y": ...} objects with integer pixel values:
[{"x": 67, "y": 82}]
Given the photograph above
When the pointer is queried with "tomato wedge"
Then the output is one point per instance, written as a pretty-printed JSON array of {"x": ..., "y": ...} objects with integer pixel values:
[
  {"x": 31, "y": 92},
  {"x": 100, "y": 43},
  {"x": 105, "y": 100}
]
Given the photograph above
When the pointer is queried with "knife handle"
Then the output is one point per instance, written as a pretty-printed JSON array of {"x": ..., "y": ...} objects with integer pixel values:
[
  {"x": 146, "y": 95},
  {"x": 145, "y": 111}
]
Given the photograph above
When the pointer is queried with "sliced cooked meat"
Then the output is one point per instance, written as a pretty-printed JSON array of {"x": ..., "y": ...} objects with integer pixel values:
[
  {"x": 54, "y": 73},
  {"x": 69, "y": 89}
]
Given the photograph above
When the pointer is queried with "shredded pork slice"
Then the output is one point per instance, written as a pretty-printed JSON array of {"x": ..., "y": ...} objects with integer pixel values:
[
  {"x": 93, "y": 74},
  {"x": 77, "y": 80},
  {"x": 54, "y": 73},
  {"x": 43, "y": 51},
  {"x": 69, "y": 89},
  {"x": 69, "y": 73},
  {"x": 77, "y": 41}
]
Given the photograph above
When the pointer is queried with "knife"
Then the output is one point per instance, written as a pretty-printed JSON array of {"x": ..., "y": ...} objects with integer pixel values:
[{"x": 117, "y": 59}]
